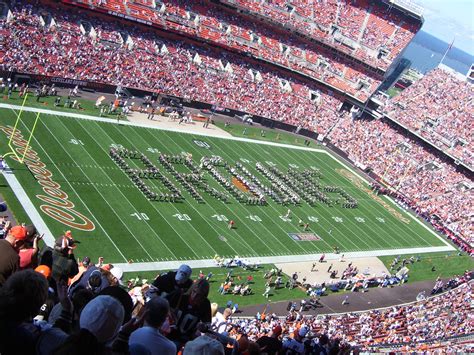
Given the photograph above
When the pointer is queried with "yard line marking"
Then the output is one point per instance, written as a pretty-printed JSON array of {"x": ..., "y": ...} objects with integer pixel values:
[
  {"x": 224, "y": 231},
  {"x": 244, "y": 207},
  {"x": 202, "y": 237},
  {"x": 178, "y": 234},
  {"x": 291, "y": 158},
  {"x": 113, "y": 211},
  {"x": 273, "y": 208},
  {"x": 41, "y": 221},
  {"x": 396, "y": 225}
]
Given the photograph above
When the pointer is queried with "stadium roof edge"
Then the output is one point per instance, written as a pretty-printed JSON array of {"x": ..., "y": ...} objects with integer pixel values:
[{"x": 407, "y": 6}]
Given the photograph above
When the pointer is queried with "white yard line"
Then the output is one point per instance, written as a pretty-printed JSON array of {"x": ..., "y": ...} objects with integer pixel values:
[
  {"x": 149, "y": 266},
  {"x": 28, "y": 206},
  {"x": 167, "y": 265}
]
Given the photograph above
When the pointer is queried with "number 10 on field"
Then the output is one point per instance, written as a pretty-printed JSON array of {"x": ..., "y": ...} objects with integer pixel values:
[{"x": 140, "y": 216}]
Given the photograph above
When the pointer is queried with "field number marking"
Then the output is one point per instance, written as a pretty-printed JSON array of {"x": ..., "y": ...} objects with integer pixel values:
[
  {"x": 337, "y": 219},
  {"x": 294, "y": 166},
  {"x": 359, "y": 219},
  {"x": 220, "y": 217},
  {"x": 285, "y": 219},
  {"x": 254, "y": 218},
  {"x": 243, "y": 160},
  {"x": 202, "y": 144},
  {"x": 116, "y": 146},
  {"x": 313, "y": 219},
  {"x": 380, "y": 219},
  {"x": 140, "y": 216},
  {"x": 76, "y": 141},
  {"x": 153, "y": 150},
  {"x": 270, "y": 163},
  {"x": 182, "y": 217}
]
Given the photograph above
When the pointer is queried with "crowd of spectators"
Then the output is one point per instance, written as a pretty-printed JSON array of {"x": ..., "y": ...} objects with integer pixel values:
[
  {"x": 439, "y": 108},
  {"x": 423, "y": 181},
  {"x": 231, "y": 29},
  {"x": 158, "y": 64},
  {"x": 56, "y": 304},
  {"x": 372, "y": 25}
]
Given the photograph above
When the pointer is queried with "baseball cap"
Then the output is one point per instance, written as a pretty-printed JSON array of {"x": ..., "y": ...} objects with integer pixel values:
[
  {"x": 18, "y": 232},
  {"x": 103, "y": 317},
  {"x": 44, "y": 270},
  {"x": 117, "y": 273},
  {"x": 183, "y": 274}
]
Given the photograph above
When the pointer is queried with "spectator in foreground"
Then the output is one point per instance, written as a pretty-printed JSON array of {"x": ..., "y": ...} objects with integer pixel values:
[
  {"x": 21, "y": 297},
  {"x": 9, "y": 249},
  {"x": 149, "y": 336},
  {"x": 188, "y": 310},
  {"x": 100, "y": 322},
  {"x": 174, "y": 280},
  {"x": 271, "y": 344}
]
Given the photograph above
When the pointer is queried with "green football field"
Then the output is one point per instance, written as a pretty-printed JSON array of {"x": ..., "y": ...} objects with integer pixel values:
[{"x": 78, "y": 186}]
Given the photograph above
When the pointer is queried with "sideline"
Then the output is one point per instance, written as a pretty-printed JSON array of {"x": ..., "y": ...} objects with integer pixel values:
[
  {"x": 144, "y": 125},
  {"x": 28, "y": 206},
  {"x": 168, "y": 265}
]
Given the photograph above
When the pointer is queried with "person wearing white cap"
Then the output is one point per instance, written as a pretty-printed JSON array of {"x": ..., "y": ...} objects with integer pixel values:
[
  {"x": 295, "y": 345},
  {"x": 174, "y": 280}
]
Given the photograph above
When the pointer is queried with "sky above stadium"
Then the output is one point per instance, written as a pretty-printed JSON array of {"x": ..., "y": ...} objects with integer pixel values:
[{"x": 447, "y": 19}]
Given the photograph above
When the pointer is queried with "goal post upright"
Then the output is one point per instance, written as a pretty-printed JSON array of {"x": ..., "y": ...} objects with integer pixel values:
[{"x": 18, "y": 119}]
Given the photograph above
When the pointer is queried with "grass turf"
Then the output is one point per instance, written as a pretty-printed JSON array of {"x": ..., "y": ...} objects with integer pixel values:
[
  {"x": 263, "y": 134},
  {"x": 446, "y": 264},
  {"x": 129, "y": 227},
  {"x": 47, "y": 102}
]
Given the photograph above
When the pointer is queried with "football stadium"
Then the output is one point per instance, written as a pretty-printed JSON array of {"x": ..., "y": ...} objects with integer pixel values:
[{"x": 263, "y": 177}]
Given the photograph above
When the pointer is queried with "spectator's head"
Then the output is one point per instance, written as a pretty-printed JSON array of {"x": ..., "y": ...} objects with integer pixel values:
[
  {"x": 227, "y": 313},
  {"x": 44, "y": 270},
  {"x": 214, "y": 308},
  {"x": 86, "y": 261},
  {"x": 22, "y": 295},
  {"x": 117, "y": 275},
  {"x": 203, "y": 345},
  {"x": 183, "y": 274},
  {"x": 123, "y": 297},
  {"x": 17, "y": 237},
  {"x": 80, "y": 298},
  {"x": 103, "y": 317},
  {"x": 276, "y": 331},
  {"x": 31, "y": 231},
  {"x": 198, "y": 292},
  {"x": 156, "y": 311}
]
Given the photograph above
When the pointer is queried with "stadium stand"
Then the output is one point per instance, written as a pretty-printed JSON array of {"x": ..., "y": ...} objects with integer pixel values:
[
  {"x": 371, "y": 31},
  {"x": 233, "y": 30},
  {"x": 439, "y": 107},
  {"x": 432, "y": 187},
  {"x": 159, "y": 64},
  {"x": 87, "y": 317}
]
